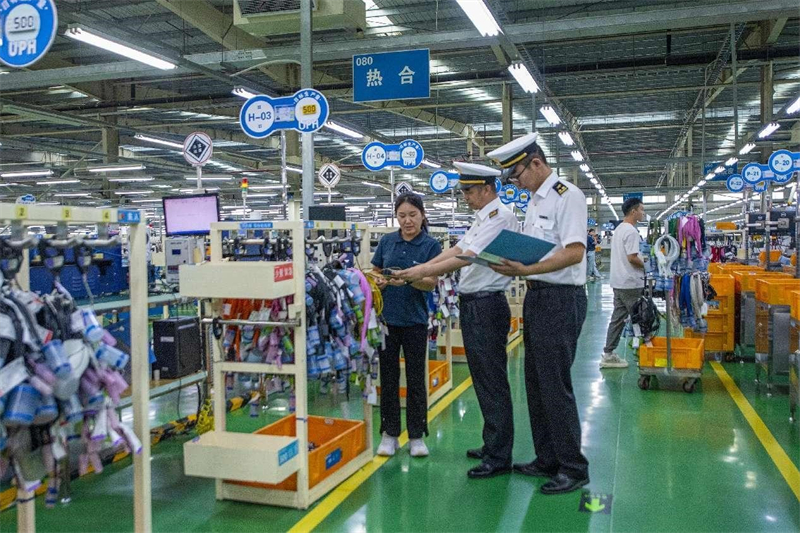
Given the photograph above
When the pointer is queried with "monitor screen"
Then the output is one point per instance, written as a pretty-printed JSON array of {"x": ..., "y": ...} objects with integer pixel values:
[{"x": 190, "y": 215}]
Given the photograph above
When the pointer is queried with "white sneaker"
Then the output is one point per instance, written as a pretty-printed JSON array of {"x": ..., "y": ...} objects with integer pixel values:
[
  {"x": 612, "y": 360},
  {"x": 417, "y": 448},
  {"x": 388, "y": 446}
]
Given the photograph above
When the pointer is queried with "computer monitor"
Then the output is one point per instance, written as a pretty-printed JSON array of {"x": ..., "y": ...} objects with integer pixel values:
[{"x": 190, "y": 215}]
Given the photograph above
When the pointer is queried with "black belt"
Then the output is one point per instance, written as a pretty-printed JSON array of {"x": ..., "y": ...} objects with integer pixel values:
[
  {"x": 534, "y": 285},
  {"x": 469, "y": 297}
]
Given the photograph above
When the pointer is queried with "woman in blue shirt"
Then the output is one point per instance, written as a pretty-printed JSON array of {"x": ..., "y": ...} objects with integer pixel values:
[{"x": 405, "y": 311}]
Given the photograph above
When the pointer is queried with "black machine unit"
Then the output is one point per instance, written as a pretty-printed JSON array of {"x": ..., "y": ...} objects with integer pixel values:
[{"x": 177, "y": 346}]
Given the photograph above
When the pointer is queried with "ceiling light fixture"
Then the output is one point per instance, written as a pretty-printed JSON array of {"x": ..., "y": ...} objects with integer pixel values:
[
  {"x": 747, "y": 148},
  {"x": 576, "y": 155},
  {"x": 524, "y": 78},
  {"x": 794, "y": 108},
  {"x": 132, "y": 193},
  {"x": 294, "y": 169},
  {"x": 27, "y": 174},
  {"x": 132, "y": 180},
  {"x": 566, "y": 138},
  {"x": 116, "y": 168},
  {"x": 241, "y": 92},
  {"x": 343, "y": 130},
  {"x": 585, "y": 167},
  {"x": 92, "y": 37},
  {"x": 71, "y": 195},
  {"x": 590, "y": 175},
  {"x": 57, "y": 182},
  {"x": 731, "y": 161},
  {"x": 719, "y": 170},
  {"x": 155, "y": 140},
  {"x": 210, "y": 178},
  {"x": 550, "y": 114},
  {"x": 431, "y": 164},
  {"x": 480, "y": 16},
  {"x": 768, "y": 130}
]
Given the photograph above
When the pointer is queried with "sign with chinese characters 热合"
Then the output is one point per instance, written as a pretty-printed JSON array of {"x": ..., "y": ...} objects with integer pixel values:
[
  {"x": 391, "y": 76},
  {"x": 377, "y": 156},
  {"x": 305, "y": 111}
]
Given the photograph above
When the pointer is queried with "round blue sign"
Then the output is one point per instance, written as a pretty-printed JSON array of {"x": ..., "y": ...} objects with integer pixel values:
[
  {"x": 509, "y": 194},
  {"x": 497, "y": 185},
  {"x": 735, "y": 183},
  {"x": 781, "y": 162},
  {"x": 761, "y": 186},
  {"x": 439, "y": 182},
  {"x": 783, "y": 178},
  {"x": 27, "y": 29},
  {"x": 305, "y": 111},
  {"x": 408, "y": 155},
  {"x": 752, "y": 173},
  {"x": 524, "y": 196}
]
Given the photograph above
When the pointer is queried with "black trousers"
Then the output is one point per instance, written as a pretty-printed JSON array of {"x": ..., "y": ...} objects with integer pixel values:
[
  {"x": 485, "y": 323},
  {"x": 554, "y": 316},
  {"x": 414, "y": 342}
]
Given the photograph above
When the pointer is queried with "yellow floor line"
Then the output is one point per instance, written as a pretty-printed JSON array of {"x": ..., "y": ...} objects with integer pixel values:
[
  {"x": 785, "y": 465},
  {"x": 325, "y": 507}
]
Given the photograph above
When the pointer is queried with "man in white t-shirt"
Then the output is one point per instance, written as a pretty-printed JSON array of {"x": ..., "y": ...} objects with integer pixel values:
[{"x": 627, "y": 278}]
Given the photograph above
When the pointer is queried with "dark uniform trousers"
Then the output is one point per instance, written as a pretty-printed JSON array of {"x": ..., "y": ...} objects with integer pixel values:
[
  {"x": 413, "y": 340},
  {"x": 485, "y": 323},
  {"x": 554, "y": 316}
]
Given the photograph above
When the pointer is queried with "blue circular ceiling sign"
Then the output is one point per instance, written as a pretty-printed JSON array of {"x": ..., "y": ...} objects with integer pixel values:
[{"x": 27, "y": 29}]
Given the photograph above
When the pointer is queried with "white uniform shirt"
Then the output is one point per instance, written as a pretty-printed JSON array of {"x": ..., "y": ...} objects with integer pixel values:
[
  {"x": 557, "y": 213},
  {"x": 489, "y": 222},
  {"x": 625, "y": 242}
]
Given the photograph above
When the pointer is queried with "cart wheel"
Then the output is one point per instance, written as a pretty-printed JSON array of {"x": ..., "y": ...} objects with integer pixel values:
[
  {"x": 688, "y": 386},
  {"x": 644, "y": 382}
]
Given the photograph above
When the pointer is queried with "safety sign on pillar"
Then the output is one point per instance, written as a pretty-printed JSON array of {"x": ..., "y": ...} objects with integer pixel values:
[{"x": 27, "y": 29}]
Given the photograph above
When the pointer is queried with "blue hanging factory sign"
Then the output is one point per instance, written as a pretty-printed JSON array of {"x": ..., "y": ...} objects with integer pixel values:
[
  {"x": 509, "y": 194},
  {"x": 753, "y": 173},
  {"x": 722, "y": 176},
  {"x": 628, "y": 195},
  {"x": 735, "y": 183},
  {"x": 784, "y": 163},
  {"x": 497, "y": 185},
  {"x": 27, "y": 29},
  {"x": 442, "y": 181},
  {"x": 305, "y": 111},
  {"x": 761, "y": 186},
  {"x": 391, "y": 76},
  {"x": 377, "y": 156}
]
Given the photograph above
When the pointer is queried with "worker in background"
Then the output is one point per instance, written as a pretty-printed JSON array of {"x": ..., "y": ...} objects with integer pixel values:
[
  {"x": 592, "y": 241},
  {"x": 554, "y": 312},
  {"x": 485, "y": 315},
  {"x": 627, "y": 278},
  {"x": 405, "y": 310}
]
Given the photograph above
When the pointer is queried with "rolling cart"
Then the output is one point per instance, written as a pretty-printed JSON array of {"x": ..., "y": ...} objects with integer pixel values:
[{"x": 680, "y": 358}]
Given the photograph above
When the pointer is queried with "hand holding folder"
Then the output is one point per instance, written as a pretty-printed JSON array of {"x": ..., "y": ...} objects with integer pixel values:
[{"x": 512, "y": 246}]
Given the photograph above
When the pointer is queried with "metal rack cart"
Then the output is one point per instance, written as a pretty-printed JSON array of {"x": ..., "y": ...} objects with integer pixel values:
[
  {"x": 772, "y": 328},
  {"x": 794, "y": 357},
  {"x": 19, "y": 217},
  {"x": 439, "y": 372},
  {"x": 651, "y": 364},
  {"x": 242, "y": 464}
]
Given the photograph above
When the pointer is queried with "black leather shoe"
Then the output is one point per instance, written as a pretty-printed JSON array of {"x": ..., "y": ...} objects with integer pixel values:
[
  {"x": 532, "y": 469},
  {"x": 485, "y": 470},
  {"x": 475, "y": 453},
  {"x": 561, "y": 484}
]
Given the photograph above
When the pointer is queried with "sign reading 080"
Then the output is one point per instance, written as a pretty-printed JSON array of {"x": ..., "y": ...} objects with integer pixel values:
[{"x": 305, "y": 111}]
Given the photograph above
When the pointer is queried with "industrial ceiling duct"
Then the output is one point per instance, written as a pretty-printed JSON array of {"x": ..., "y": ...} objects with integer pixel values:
[{"x": 265, "y": 18}]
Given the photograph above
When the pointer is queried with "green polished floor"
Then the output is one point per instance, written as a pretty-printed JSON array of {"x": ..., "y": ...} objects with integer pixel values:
[{"x": 670, "y": 462}]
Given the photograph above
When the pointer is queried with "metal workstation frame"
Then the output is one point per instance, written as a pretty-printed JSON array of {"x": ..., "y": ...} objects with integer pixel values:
[
  {"x": 268, "y": 459},
  {"x": 19, "y": 217}
]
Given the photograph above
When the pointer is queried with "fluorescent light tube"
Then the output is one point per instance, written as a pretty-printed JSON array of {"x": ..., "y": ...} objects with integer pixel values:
[
  {"x": 71, "y": 194},
  {"x": 566, "y": 138},
  {"x": 210, "y": 178},
  {"x": 116, "y": 168},
  {"x": 577, "y": 155},
  {"x": 370, "y": 184},
  {"x": 360, "y": 198},
  {"x": 701, "y": 183},
  {"x": 794, "y": 108},
  {"x": 480, "y": 16},
  {"x": 57, "y": 182},
  {"x": 86, "y": 36},
  {"x": 131, "y": 180},
  {"x": 294, "y": 169},
  {"x": 148, "y": 201},
  {"x": 132, "y": 193},
  {"x": 26, "y": 174},
  {"x": 343, "y": 130},
  {"x": 768, "y": 130},
  {"x": 524, "y": 78},
  {"x": 431, "y": 164},
  {"x": 585, "y": 167},
  {"x": 550, "y": 114},
  {"x": 262, "y": 195},
  {"x": 589, "y": 175},
  {"x": 731, "y": 161},
  {"x": 710, "y": 175},
  {"x": 747, "y": 148},
  {"x": 266, "y": 187},
  {"x": 155, "y": 140},
  {"x": 719, "y": 170},
  {"x": 243, "y": 93}
]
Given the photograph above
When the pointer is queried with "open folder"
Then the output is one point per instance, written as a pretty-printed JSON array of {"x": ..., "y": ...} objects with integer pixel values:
[{"x": 512, "y": 246}]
